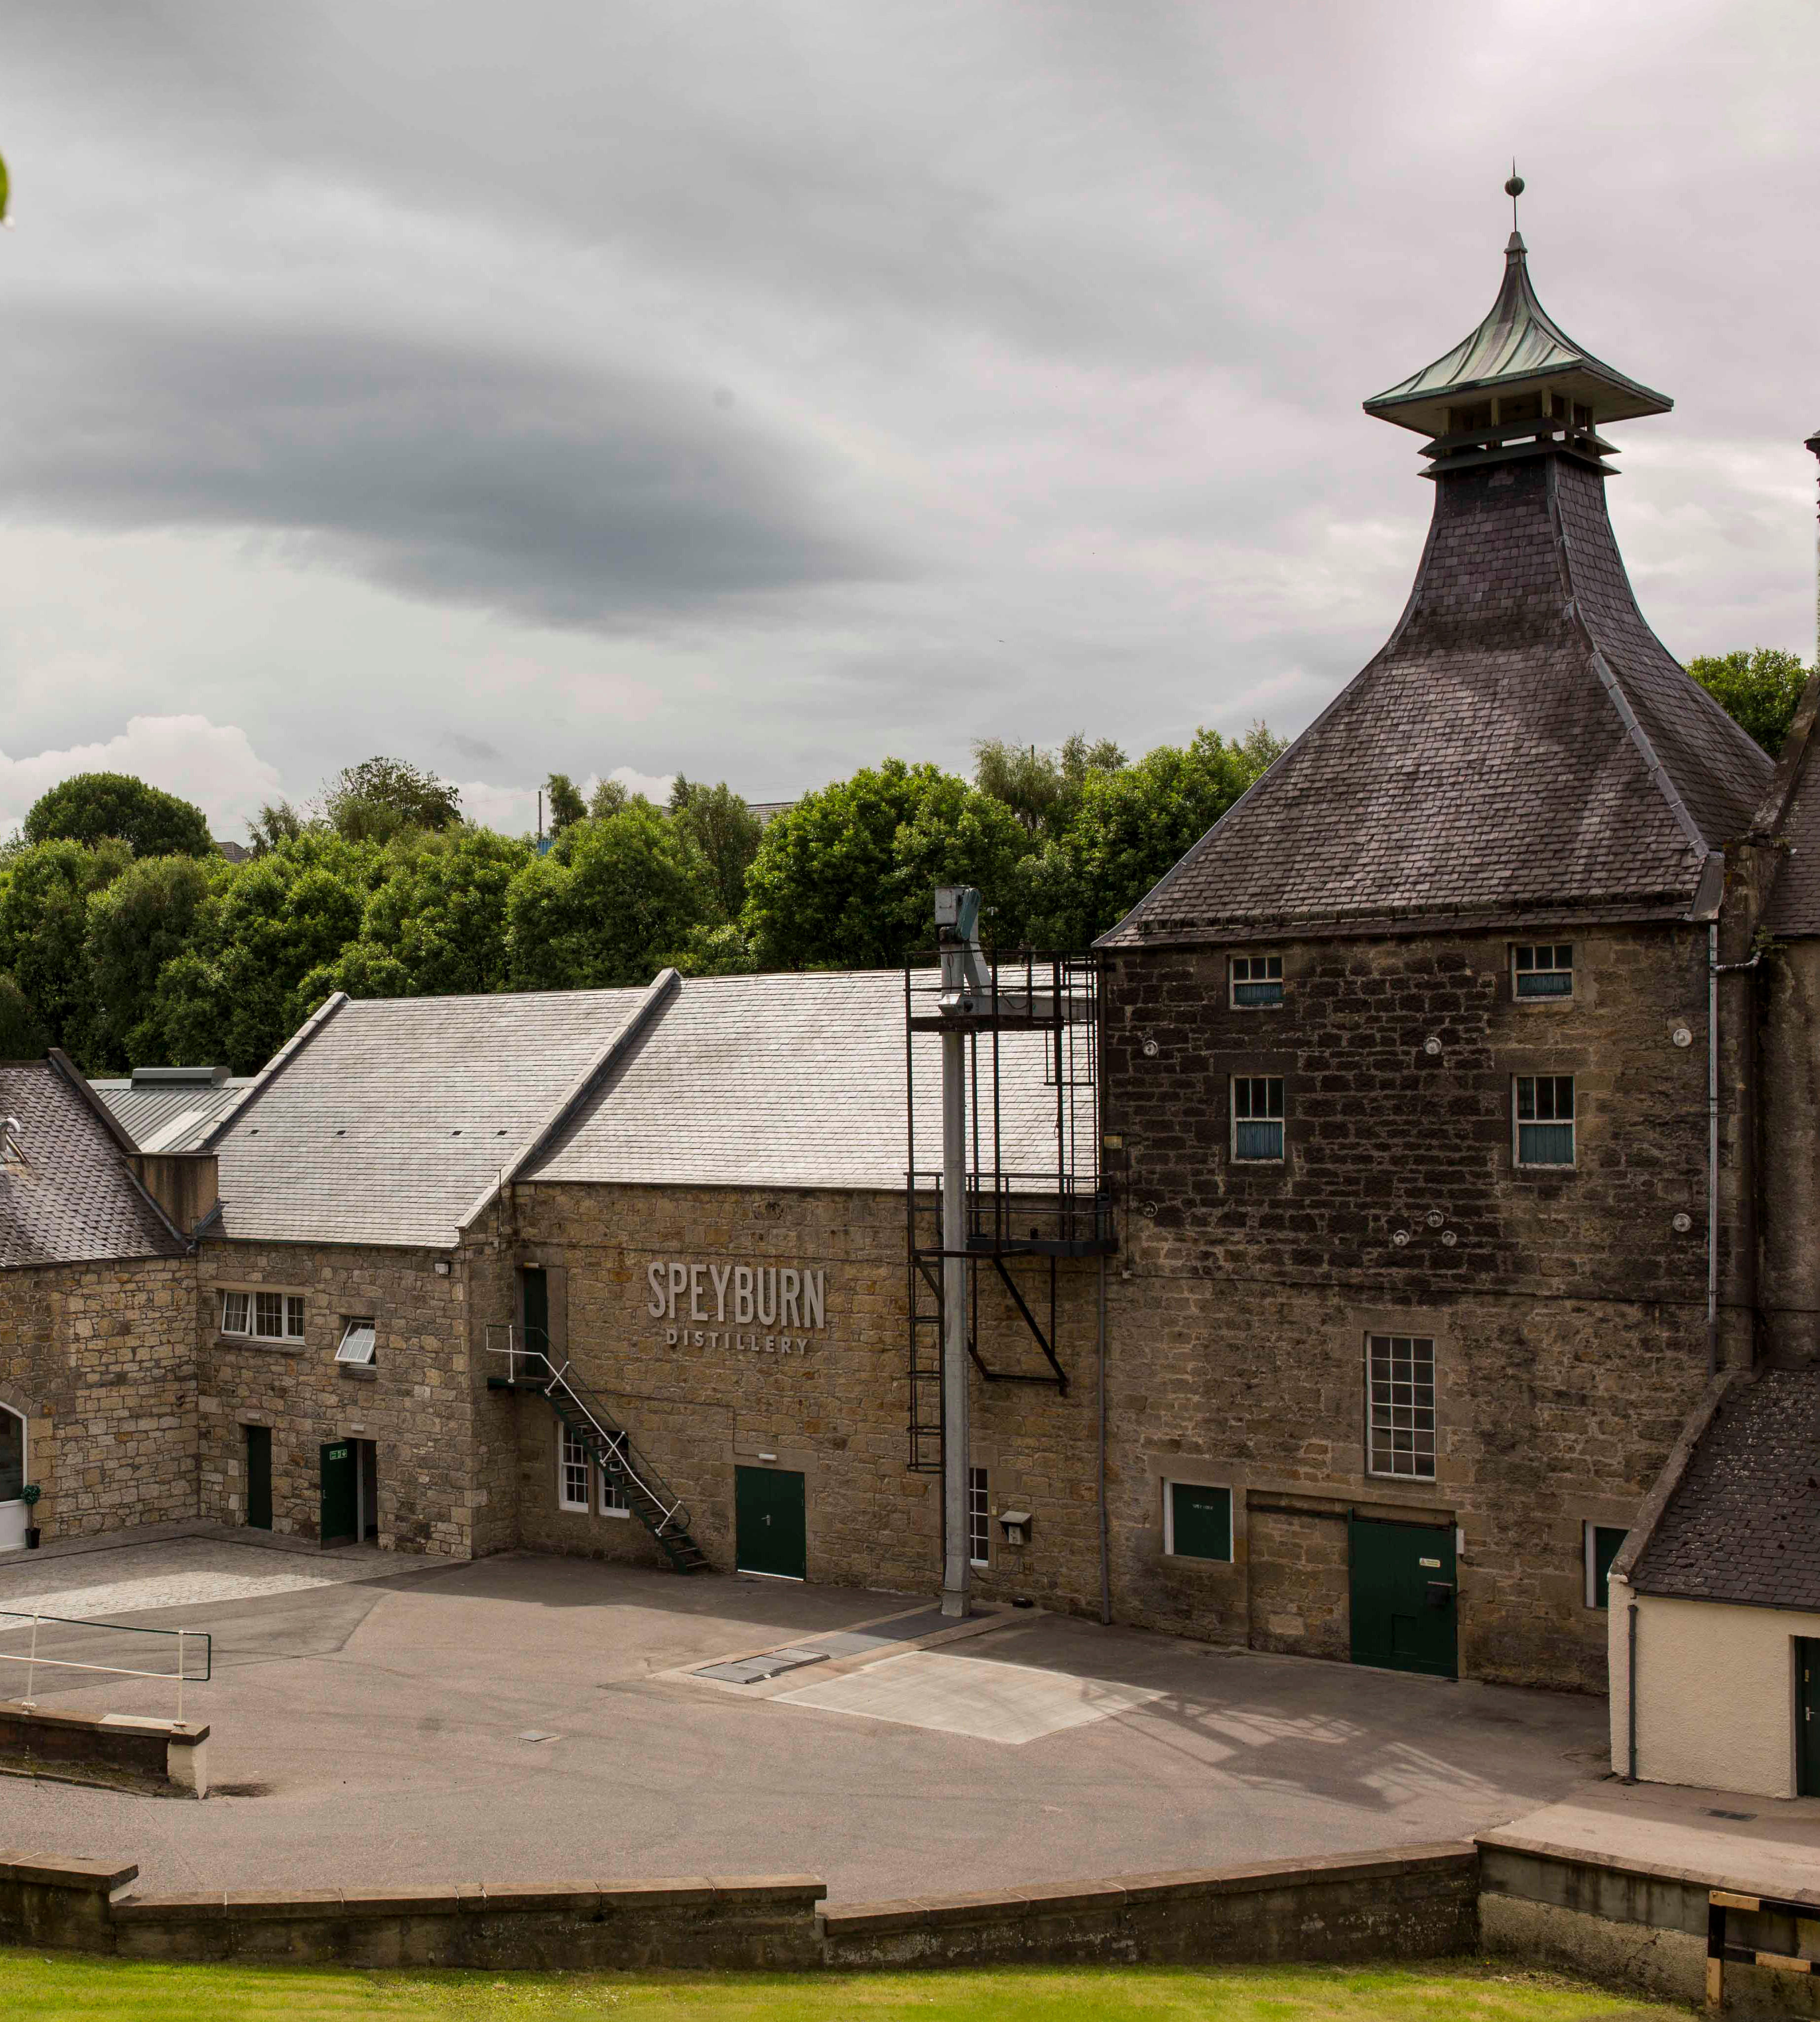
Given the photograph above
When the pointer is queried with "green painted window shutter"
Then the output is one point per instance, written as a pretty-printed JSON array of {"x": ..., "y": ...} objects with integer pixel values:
[{"x": 1200, "y": 1521}]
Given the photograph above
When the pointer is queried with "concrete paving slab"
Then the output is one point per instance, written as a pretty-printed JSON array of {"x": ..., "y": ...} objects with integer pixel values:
[
  {"x": 178, "y": 1573},
  {"x": 1768, "y": 1846},
  {"x": 1012, "y": 1703}
]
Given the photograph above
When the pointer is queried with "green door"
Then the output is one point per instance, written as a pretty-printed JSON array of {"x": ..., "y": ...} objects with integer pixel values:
[
  {"x": 1807, "y": 1719},
  {"x": 340, "y": 1509},
  {"x": 259, "y": 1477},
  {"x": 772, "y": 1533},
  {"x": 537, "y": 1311},
  {"x": 1404, "y": 1616}
]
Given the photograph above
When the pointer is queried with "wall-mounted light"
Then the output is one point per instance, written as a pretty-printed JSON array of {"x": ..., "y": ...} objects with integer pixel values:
[
  {"x": 1431, "y": 1045},
  {"x": 1682, "y": 1036},
  {"x": 1681, "y": 1223}
]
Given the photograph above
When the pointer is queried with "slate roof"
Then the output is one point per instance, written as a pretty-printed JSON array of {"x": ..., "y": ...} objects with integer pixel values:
[
  {"x": 1523, "y": 747},
  {"x": 1744, "y": 1525},
  {"x": 1518, "y": 342},
  {"x": 386, "y": 1119},
  {"x": 789, "y": 1080},
  {"x": 174, "y": 1117},
  {"x": 70, "y": 1200}
]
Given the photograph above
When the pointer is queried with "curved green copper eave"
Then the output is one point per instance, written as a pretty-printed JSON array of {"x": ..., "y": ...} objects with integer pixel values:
[{"x": 1519, "y": 345}]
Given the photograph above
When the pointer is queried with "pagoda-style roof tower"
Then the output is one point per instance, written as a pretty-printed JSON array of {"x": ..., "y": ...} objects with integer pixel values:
[{"x": 1523, "y": 748}]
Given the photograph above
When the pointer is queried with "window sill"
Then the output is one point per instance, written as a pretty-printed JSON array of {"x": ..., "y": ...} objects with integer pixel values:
[
  {"x": 621, "y": 1515},
  {"x": 1194, "y": 1559},
  {"x": 266, "y": 1346}
]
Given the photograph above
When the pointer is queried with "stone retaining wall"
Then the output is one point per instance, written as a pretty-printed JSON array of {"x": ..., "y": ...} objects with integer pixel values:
[
  {"x": 1417, "y": 1902},
  {"x": 122, "y": 1752}
]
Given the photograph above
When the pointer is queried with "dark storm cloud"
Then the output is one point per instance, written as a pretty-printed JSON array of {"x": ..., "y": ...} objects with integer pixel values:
[{"x": 569, "y": 497}]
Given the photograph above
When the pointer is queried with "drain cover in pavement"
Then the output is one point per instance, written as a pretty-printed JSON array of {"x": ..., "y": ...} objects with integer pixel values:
[{"x": 754, "y": 1670}]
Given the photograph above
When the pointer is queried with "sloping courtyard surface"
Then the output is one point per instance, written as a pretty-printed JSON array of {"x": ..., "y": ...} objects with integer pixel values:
[{"x": 528, "y": 1717}]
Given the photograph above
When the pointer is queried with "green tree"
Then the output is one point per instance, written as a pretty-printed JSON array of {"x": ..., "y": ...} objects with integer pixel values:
[
  {"x": 94, "y": 804},
  {"x": 710, "y": 950},
  {"x": 565, "y": 802},
  {"x": 437, "y": 926},
  {"x": 44, "y": 923},
  {"x": 1132, "y": 826},
  {"x": 846, "y": 877},
  {"x": 726, "y": 832},
  {"x": 276, "y": 822},
  {"x": 607, "y": 905},
  {"x": 1758, "y": 690},
  {"x": 383, "y": 797},
  {"x": 610, "y": 796},
  {"x": 23, "y": 1036},
  {"x": 235, "y": 995},
  {"x": 149, "y": 914},
  {"x": 1042, "y": 788}
]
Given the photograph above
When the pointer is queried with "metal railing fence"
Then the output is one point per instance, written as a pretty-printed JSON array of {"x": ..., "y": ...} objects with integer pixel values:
[{"x": 36, "y": 1660}]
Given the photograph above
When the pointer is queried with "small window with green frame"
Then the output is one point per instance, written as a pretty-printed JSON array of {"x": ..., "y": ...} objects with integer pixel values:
[{"x": 1196, "y": 1521}]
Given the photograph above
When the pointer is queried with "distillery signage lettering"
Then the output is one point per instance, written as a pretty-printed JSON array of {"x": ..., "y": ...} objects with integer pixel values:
[{"x": 709, "y": 1302}]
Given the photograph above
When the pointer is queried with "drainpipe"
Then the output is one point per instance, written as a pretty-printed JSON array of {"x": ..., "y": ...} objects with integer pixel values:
[
  {"x": 1106, "y": 1564},
  {"x": 1631, "y": 1692}
]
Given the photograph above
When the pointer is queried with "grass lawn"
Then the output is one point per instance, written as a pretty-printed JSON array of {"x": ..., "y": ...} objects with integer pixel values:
[{"x": 37, "y": 1986}]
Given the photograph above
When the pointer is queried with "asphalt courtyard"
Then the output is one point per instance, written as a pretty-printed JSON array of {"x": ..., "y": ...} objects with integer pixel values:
[{"x": 528, "y": 1717}]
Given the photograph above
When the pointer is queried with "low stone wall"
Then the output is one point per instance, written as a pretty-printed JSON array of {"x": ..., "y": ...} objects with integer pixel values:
[
  {"x": 1633, "y": 1925},
  {"x": 122, "y": 1751},
  {"x": 1416, "y": 1902}
]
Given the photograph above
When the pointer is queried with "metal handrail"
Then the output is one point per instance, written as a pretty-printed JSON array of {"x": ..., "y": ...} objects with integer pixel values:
[
  {"x": 617, "y": 1441},
  {"x": 31, "y": 1659}
]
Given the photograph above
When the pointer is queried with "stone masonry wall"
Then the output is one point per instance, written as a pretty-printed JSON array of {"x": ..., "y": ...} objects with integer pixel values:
[
  {"x": 415, "y": 1405},
  {"x": 1568, "y": 1313},
  {"x": 99, "y": 1359},
  {"x": 837, "y": 1410}
]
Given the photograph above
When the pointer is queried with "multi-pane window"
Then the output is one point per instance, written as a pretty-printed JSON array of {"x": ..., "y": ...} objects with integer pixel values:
[
  {"x": 1545, "y": 1105},
  {"x": 1400, "y": 1406},
  {"x": 979, "y": 1517},
  {"x": 613, "y": 1484},
  {"x": 359, "y": 1339},
  {"x": 265, "y": 1315},
  {"x": 1603, "y": 1543},
  {"x": 1196, "y": 1521},
  {"x": 1545, "y": 970},
  {"x": 1257, "y": 979},
  {"x": 1257, "y": 1116},
  {"x": 572, "y": 1474}
]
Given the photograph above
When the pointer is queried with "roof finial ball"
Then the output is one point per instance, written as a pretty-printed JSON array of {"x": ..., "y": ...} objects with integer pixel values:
[{"x": 1514, "y": 189}]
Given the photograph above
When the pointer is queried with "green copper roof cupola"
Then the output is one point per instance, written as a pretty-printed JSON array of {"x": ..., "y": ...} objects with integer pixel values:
[{"x": 1518, "y": 386}]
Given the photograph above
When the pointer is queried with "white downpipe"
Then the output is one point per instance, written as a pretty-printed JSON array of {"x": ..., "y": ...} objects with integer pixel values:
[{"x": 956, "y": 1443}]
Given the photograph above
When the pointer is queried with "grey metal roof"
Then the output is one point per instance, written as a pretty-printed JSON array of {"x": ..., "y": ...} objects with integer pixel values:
[
  {"x": 790, "y": 1080},
  {"x": 387, "y": 1119},
  {"x": 1518, "y": 342},
  {"x": 70, "y": 1199},
  {"x": 172, "y": 1117},
  {"x": 1744, "y": 1525},
  {"x": 1524, "y": 746}
]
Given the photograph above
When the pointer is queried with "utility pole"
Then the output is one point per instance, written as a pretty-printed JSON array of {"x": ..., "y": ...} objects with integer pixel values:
[{"x": 957, "y": 912}]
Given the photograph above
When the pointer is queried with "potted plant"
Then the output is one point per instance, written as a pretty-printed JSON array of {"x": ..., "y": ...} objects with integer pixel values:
[{"x": 29, "y": 1495}]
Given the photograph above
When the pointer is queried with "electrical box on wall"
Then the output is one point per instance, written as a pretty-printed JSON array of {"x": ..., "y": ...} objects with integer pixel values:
[{"x": 1015, "y": 1524}]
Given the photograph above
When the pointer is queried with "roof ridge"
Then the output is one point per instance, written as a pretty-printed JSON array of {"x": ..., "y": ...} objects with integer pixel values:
[{"x": 276, "y": 1065}]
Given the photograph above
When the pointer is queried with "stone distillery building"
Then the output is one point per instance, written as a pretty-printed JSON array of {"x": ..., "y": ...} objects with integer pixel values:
[{"x": 1412, "y": 1170}]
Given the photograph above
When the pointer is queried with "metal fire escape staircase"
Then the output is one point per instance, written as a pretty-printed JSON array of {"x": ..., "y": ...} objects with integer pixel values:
[
  {"x": 1063, "y": 1210},
  {"x": 607, "y": 1445}
]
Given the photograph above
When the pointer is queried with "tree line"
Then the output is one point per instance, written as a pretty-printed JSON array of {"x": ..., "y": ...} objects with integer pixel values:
[{"x": 128, "y": 938}]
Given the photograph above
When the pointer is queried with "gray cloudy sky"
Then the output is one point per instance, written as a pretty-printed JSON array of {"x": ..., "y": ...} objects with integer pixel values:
[{"x": 758, "y": 389}]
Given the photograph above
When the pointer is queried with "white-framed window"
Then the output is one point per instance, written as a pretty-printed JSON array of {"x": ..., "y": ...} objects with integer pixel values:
[
  {"x": 1544, "y": 970},
  {"x": 979, "y": 1517},
  {"x": 359, "y": 1338},
  {"x": 263, "y": 1315},
  {"x": 613, "y": 1502},
  {"x": 1544, "y": 1119},
  {"x": 1400, "y": 1406},
  {"x": 1196, "y": 1521},
  {"x": 1257, "y": 1118},
  {"x": 1603, "y": 1543},
  {"x": 571, "y": 1471},
  {"x": 1256, "y": 979}
]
